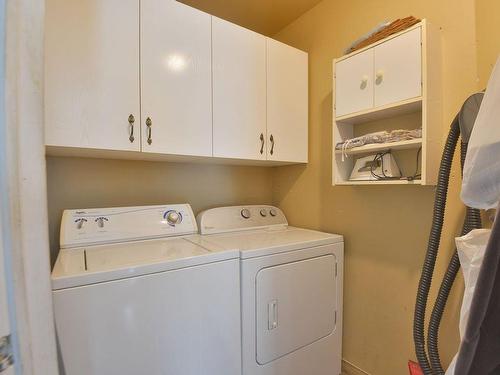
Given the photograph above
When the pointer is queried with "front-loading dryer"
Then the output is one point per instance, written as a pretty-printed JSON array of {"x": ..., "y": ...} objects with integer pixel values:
[{"x": 291, "y": 290}]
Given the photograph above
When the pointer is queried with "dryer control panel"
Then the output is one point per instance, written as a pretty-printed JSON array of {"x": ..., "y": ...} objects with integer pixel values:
[
  {"x": 237, "y": 218},
  {"x": 107, "y": 225}
]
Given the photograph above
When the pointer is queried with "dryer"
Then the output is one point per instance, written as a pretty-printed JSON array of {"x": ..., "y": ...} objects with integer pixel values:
[
  {"x": 291, "y": 290},
  {"x": 134, "y": 295}
]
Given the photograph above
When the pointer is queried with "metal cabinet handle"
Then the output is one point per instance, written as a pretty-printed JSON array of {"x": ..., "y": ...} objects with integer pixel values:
[
  {"x": 261, "y": 143},
  {"x": 149, "y": 123},
  {"x": 271, "y": 138},
  {"x": 131, "y": 120}
]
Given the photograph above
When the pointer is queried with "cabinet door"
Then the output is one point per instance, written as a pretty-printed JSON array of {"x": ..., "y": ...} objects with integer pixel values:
[
  {"x": 239, "y": 91},
  {"x": 92, "y": 74},
  {"x": 398, "y": 69},
  {"x": 287, "y": 102},
  {"x": 176, "y": 79},
  {"x": 354, "y": 83}
]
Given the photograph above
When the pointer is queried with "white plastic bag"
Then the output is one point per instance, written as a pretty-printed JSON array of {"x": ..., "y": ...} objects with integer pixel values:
[
  {"x": 470, "y": 248},
  {"x": 481, "y": 181}
]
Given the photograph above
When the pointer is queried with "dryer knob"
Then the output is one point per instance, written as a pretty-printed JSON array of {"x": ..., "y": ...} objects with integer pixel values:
[
  {"x": 273, "y": 212},
  {"x": 263, "y": 212},
  {"x": 245, "y": 213}
]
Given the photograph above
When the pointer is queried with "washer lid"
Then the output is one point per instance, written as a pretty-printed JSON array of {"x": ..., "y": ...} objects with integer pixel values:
[
  {"x": 269, "y": 241},
  {"x": 95, "y": 264}
]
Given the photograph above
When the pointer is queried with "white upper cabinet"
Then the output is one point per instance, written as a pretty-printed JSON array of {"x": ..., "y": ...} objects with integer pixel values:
[
  {"x": 176, "y": 70},
  {"x": 169, "y": 81},
  {"x": 354, "y": 83},
  {"x": 287, "y": 103},
  {"x": 239, "y": 92},
  {"x": 92, "y": 74},
  {"x": 398, "y": 68}
]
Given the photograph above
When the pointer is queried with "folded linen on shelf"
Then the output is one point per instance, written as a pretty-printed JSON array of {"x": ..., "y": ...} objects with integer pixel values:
[{"x": 380, "y": 137}]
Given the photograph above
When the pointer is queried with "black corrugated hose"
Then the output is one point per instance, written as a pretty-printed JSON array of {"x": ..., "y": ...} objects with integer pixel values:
[
  {"x": 432, "y": 248},
  {"x": 472, "y": 221}
]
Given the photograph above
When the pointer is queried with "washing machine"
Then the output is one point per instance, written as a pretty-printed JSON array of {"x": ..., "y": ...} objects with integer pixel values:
[
  {"x": 133, "y": 295},
  {"x": 291, "y": 290}
]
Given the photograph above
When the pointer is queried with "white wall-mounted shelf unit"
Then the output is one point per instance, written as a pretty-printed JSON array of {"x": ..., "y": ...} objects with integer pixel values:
[{"x": 394, "y": 83}]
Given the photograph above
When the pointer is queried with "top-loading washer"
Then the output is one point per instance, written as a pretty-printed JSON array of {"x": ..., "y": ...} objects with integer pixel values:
[
  {"x": 291, "y": 290},
  {"x": 132, "y": 295}
]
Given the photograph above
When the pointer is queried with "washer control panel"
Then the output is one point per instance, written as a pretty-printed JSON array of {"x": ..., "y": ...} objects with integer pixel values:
[
  {"x": 236, "y": 218},
  {"x": 107, "y": 225}
]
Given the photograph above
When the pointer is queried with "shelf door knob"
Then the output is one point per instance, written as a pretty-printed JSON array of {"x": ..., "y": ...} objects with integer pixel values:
[{"x": 364, "y": 82}]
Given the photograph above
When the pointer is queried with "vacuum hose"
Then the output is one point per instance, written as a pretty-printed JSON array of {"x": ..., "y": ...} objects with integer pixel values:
[{"x": 472, "y": 221}]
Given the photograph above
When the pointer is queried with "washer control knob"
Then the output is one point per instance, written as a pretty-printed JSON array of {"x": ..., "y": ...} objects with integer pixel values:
[
  {"x": 100, "y": 221},
  {"x": 173, "y": 217},
  {"x": 263, "y": 212},
  {"x": 80, "y": 222},
  {"x": 273, "y": 212},
  {"x": 245, "y": 213}
]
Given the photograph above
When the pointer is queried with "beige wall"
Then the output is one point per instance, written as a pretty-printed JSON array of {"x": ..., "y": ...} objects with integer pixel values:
[
  {"x": 87, "y": 183},
  {"x": 385, "y": 227},
  {"x": 488, "y": 37}
]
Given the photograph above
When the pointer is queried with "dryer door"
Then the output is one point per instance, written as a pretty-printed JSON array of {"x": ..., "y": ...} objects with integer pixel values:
[{"x": 296, "y": 306}]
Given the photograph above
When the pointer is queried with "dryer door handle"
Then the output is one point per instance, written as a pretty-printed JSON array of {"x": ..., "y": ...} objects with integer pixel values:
[{"x": 272, "y": 314}]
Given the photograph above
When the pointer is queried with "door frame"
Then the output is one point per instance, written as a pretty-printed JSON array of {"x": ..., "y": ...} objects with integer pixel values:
[{"x": 23, "y": 194}]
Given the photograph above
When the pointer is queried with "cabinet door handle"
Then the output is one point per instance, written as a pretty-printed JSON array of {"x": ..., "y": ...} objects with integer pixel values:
[
  {"x": 131, "y": 120},
  {"x": 149, "y": 123},
  {"x": 271, "y": 138},
  {"x": 379, "y": 77},
  {"x": 261, "y": 143}
]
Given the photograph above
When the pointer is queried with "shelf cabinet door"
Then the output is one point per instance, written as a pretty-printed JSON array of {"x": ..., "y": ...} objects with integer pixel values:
[
  {"x": 287, "y": 103},
  {"x": 354, "y": 83},
  {"x": 176, "y": 92},
  {"x": 239, "y": 92},
  {"x": 92, "y": 74},
  {"x": 398, "y": 68}
]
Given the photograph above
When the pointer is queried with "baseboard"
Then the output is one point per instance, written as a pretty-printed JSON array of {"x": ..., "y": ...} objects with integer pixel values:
[{"x": 349, "y": 368}]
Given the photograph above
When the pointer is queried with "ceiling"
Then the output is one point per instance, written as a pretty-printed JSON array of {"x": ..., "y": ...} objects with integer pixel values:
[{"x": 264, "y": 16}]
